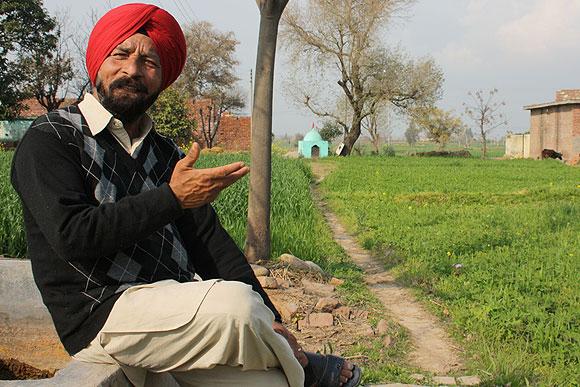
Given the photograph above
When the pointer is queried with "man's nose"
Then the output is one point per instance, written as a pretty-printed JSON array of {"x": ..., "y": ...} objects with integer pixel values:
[{"x": 132, "y": 67}]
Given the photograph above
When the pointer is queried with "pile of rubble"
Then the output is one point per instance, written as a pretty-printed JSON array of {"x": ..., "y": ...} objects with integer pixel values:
[{"x": 311, "y": 307}]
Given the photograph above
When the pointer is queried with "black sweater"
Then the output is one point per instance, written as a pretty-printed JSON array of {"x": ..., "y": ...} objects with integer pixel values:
[{"x": 99, "y": 221}]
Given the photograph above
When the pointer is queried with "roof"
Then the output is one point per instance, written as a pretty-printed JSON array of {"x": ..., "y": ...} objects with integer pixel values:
[
  {"x": 34, "y": 109},
  {"x": 550, "y": 104},
  {"x": 313, "y": 136}
]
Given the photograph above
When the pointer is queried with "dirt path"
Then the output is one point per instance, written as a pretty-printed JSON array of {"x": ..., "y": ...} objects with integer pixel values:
[{"x": 433, "y": 350}]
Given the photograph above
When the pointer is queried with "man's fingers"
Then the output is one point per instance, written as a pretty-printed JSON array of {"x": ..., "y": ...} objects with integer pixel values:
[
  {"x": 231, "y": 178},
  {"x": 225, "y": 170},
  {"x": 191, "y": 157}
]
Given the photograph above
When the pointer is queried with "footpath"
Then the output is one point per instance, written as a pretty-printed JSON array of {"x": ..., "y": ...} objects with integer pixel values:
[{"x": 433, "y": 351}]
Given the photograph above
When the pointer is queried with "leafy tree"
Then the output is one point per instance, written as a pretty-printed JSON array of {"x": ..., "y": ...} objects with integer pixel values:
[
  {"x": 330, "y": 130},
  {"x": 171, "y": 116},
  {"x": 26, "y": 30},
  {"x": 342, "y": 38},
  {"x": 209, "y": 73},
  {"x": 438, "y": 124},
  {"x": 484, "y": 110}
]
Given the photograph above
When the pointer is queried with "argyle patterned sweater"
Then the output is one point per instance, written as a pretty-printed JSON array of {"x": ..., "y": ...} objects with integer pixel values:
[{"x": 99, "y": 220}]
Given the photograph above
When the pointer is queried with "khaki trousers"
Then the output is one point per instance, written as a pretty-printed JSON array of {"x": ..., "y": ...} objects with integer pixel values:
[{"x": 205, "y": 333}]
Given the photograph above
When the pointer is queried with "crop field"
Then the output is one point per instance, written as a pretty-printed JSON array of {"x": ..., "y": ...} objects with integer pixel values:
[
  {"x": 296, "y": 227},
  {"x": 12, "y": 239},
  {"x": 493, "y": 246}
]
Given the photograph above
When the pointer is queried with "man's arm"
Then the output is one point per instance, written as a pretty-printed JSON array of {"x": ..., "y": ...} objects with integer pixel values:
[
  {"x": 215, "y": 254},
  {"x": 48, "y": 176}
]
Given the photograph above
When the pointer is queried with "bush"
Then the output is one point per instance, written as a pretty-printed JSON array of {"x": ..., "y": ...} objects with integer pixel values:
[{"x": 389, "y": 151}]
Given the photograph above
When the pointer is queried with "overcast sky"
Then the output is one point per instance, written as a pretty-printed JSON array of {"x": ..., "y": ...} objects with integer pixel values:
[{"x": 527, "y": 49}]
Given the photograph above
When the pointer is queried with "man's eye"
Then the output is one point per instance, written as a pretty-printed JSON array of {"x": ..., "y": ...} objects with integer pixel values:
[
  {"x": 119, "y": 55},
  {"x": 151, "y": 62}
]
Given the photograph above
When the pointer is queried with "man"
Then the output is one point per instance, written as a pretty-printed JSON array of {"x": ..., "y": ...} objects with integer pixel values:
[{"x": 119, "y": 221}]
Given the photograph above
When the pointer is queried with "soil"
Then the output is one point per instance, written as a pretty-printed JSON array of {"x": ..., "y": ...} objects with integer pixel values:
[
  {"x": 35, "y": 344},
  {"x": 433, "y": 350},
  {"x": 12, "y": 369},
  {"x": 350, "y": 327}
]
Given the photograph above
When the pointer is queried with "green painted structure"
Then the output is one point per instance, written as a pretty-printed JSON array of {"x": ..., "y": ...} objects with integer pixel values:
[
  {"x": 313, "y": 146},
  {"x": 13, "y": 131}
]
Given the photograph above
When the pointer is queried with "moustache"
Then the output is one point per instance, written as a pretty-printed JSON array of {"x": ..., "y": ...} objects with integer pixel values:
[{"x": 128, "y": 83}]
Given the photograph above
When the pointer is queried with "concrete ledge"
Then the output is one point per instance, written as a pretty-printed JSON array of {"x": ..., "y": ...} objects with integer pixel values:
[
  {"x": 22, "y": 313},
  {"x": 76, "y": 374}
]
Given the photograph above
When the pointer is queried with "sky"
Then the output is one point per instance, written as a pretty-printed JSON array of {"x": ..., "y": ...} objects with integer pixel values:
[{"x": 527, "y": 49}]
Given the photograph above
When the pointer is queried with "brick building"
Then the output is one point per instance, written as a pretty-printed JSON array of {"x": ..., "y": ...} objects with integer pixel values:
[
  {"x": 234, "y": 133},
  {"x": 556, "y": 125},
  {"x": 33, "y": 109}
]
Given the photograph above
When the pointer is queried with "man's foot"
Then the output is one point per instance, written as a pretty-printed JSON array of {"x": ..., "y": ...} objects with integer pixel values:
[
  {"x": 346, "y": 372},
  {"x": 330, "y": 371}
]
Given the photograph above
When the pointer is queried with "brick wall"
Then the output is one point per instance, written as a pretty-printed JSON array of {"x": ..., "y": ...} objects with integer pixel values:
[
  {"x": 33, "y": 109},
  {"x": 234, "y": 133},
  {"x": 557, "y": 128},
  {"x": 566, "y": 95}
]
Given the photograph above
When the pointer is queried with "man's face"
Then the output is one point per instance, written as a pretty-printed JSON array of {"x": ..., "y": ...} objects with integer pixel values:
[{"x": 129, "y": 79}]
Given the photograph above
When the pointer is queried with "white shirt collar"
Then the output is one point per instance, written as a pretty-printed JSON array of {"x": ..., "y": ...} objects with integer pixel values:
[{"x": 98, "y": 118}]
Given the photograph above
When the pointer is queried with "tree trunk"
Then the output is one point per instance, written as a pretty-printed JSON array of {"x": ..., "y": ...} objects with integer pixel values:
[
  {"x": 351, "y": 138},
  {"x": 258, "y": 229},
  {"x": 484, "y": 140}
]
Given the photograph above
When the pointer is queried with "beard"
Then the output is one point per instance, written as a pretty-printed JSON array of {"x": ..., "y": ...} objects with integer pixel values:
[{"x": 131, "y": 104}]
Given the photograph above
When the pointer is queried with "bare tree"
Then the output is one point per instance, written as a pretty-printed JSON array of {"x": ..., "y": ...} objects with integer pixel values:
[
  {"x": 209, "y": 74},
  {"x": 485, "y": 112},
  {"x": 258, "y": 229},
  {"x": 377, "y": 126},
  {"x": 48, "y": 74},
  {"x": 210, "y": 114},
  {"x": 81, "y": 83},
  {"x": 343, "y": 38}
]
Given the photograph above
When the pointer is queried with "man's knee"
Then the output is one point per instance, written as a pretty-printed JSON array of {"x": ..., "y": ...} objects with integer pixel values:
[{"x": 238, "y": 301}]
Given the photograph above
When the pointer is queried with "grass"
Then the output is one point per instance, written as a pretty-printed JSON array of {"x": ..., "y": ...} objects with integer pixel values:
[{"x": 514, "y": 227}]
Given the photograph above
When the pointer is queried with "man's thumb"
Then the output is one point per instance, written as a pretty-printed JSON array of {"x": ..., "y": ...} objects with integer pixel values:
[{"x": 192, "y": 156}]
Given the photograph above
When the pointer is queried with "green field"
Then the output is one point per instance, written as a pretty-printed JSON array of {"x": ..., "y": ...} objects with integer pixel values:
[
  {"x": 12, "y": 239},
  {"x": 296, "y": 226},
  {"x": 515, "y": 228}
]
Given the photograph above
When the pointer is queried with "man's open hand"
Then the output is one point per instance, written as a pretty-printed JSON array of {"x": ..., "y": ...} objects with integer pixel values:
[{"x": 196, "y": 187}]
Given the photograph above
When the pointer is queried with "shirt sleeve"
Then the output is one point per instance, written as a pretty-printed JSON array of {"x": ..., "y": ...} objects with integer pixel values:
[
  {"x": 215, "y": 254},
  {"x": 48, "y": 176}
]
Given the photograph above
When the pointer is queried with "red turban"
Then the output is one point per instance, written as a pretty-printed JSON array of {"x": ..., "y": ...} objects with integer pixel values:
[{"x": 122, "y": 22}]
